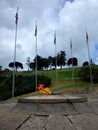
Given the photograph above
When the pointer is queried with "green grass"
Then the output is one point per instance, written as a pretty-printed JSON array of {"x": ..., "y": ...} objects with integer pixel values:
[{"x": 64, "y": 79}]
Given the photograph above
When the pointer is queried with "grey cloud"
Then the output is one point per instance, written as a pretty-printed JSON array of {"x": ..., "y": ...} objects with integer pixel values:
[{"x": 69, "y": 19}]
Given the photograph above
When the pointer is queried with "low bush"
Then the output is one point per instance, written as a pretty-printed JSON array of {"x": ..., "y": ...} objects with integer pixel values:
[
  {"x": 84, "y": 73},
  {"x": 23, "y": 85}
]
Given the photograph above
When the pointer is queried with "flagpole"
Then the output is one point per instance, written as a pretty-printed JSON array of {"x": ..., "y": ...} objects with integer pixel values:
[
  {"x": 56, "y": 59},
  {"x": 36, "y": 63},
  {"x": 72, "y": 63},
  {"x": 56, "y": 66},
  {"x": 36, "y": 53},
  {"x": 13, "y": 83},
  {"x": 91, "y": 87}
]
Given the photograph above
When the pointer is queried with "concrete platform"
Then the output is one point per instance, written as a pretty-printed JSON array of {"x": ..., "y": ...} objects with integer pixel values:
[
  {"x": 57, "y": 98},
  {"x": 79, "y": 115}
]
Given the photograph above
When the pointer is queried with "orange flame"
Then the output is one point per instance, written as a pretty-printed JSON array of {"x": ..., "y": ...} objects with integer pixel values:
[{"x": 44, "y": 90}]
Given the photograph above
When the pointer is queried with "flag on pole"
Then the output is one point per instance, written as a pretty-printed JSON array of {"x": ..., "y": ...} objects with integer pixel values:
[
  {"x": 55, "y": 37},
  {"x": 13, "y": 84},
  {"x": 87, "y": 37},
  {"x": 91, "y": 87},
  {"x": 16, "y": 16},
  {"x": 70, "y": 43},
  {"x": 36, "y": 29}
]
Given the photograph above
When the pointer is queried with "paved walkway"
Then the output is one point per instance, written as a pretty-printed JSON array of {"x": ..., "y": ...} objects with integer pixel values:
[{"x": 47, "y": 116}]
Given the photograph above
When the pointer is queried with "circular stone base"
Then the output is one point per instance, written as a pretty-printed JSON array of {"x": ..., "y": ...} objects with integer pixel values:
[{"x": 58, "y": 98}]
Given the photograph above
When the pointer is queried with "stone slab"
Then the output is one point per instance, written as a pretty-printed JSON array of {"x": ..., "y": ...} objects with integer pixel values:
[
  {"x": 45, "y": 109},
  {"x": 58, "y": 122},
  {"x": 88, "y": 121},
  {"x": 28, "y": 108},
  {"x": 49, "y": 116},
  {"x": 51, "y": 122},
  {"x": 10, "y": 120},
  {"x": 56, "y": 108},
  {"x": 52, "y": 99},
  {"x": 35, "y": 123},
  {"x": 94, "y": 105},
  {"x": 83, "y": 108}
]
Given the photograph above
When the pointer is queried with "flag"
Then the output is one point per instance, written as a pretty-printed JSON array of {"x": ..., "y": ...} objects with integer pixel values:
[
  {"x": 55, "y": 38},
  {"x": 35, "y": 30},
  {"x": 87, "y": 37},
  {"x": 16, "y": 16},
  {"x": 70, "y": 43}
]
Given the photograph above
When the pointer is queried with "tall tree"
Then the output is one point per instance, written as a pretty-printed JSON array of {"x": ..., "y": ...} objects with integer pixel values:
[
  {"x": 45, "y": 63},
  {"x": 39, "y": 62},
  {"x": 61, "y": 59},
  {"x": 85, "y": 63},
  {"x": 73, "y": 61},
  {"x": 17, "y": 65},
  {"x": 50, "y": 62},
  {"x": 28, "y": 62},
  {"x": 32, "y": 65},
  {"x": 0, "y": 67}
]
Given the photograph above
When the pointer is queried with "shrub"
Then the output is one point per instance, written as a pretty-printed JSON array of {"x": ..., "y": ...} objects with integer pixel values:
[
  {"x": 84, "y": 73},
  {"x": 23, "y": 85}
]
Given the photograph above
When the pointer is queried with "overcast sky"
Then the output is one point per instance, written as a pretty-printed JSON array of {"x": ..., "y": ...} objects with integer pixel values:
[{"x": 69, "y": 18}]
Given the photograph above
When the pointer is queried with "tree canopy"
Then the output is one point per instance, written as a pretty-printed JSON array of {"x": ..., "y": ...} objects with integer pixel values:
[
  {"x": 85, "y": 63},
  {"x": 17, "y": 65},
  {"x": 45, "y": 63},
  {"x": 72, "y": 61}
]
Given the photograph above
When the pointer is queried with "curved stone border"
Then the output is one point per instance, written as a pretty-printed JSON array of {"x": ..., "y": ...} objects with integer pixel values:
[{"x": 52, "y": 99}]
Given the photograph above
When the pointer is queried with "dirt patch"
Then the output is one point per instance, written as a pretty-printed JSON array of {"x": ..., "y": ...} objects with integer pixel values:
[{"x": 79, "y": 90}]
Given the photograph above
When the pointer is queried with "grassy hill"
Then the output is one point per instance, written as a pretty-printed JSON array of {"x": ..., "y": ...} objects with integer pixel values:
[
  {"x": 64, "y": 79},
  {"x": 63, "y": 82}
]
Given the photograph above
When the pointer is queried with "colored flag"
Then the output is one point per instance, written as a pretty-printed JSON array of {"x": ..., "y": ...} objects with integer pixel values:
[
  {"x": 87, "y": 37},
  {"x": 16, "y": 16},
  {"x": 70, "y": 44},
  {"x": 36, "y": 30},
  {"x": 55, "y": 38}
]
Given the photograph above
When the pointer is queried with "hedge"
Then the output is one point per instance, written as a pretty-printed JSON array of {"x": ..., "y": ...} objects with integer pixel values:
[
  {"x": 84, "y": 73},
  {"x": 23, "y": 85}
]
